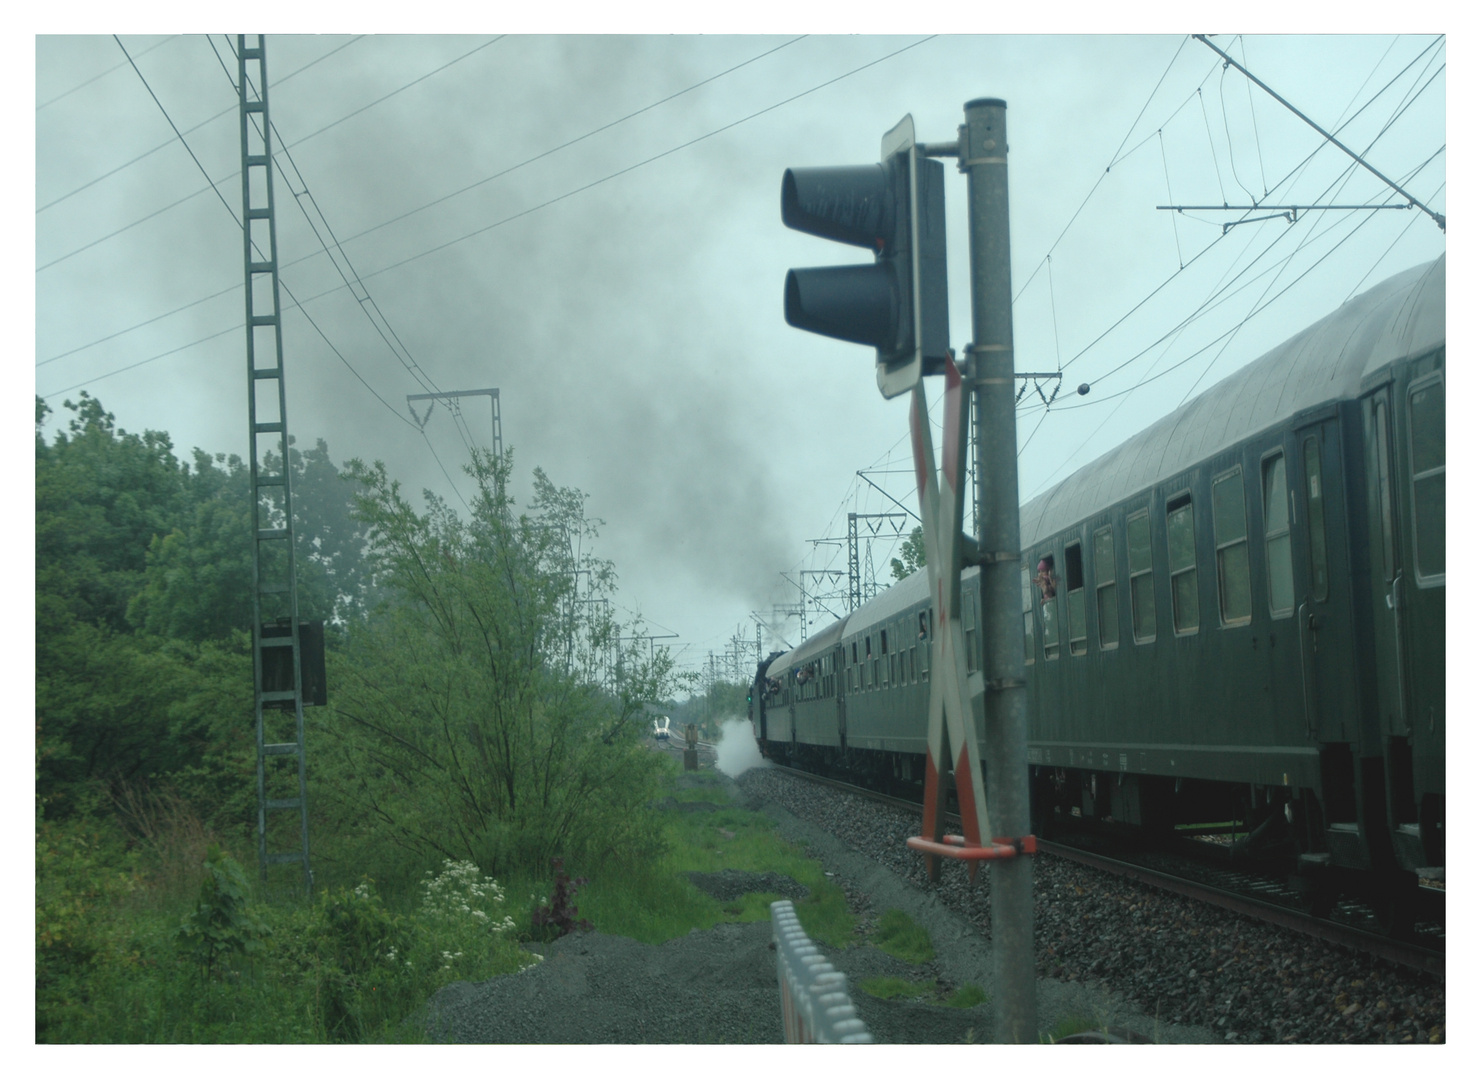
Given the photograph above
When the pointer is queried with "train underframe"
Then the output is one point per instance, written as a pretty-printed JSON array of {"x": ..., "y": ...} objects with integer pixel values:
[{"x": 1330, "y": 842}]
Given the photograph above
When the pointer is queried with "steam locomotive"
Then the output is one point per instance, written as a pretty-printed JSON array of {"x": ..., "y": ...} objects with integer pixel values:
[{"x": 1241, "y": 619}]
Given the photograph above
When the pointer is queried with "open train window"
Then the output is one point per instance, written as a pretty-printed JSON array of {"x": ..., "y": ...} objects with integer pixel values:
[
  {"x": 1277, "y": 536},
  {"x": 1074, "y": 579},
  {"x": 1182, "y": 563},
  {"x": 1231, "y": 540},
  {"x": 928, "y": 616},
  {"x": 1426, "y": 458},
  {"x": 1046, "y": 582},
  {"x": 1143, "y": 591},
  {"x": 1027, "y": 615},
  {"x": 1107, "y": 607}
]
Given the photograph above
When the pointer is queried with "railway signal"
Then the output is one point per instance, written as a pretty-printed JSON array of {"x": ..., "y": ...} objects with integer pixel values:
[{"x": 897, "y": 304}]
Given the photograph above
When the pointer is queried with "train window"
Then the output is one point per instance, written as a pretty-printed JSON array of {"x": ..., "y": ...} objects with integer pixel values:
[
  {"x": 1143, "y": 592},
  {"x": 968, "y": 623},
  {"x": 1107, "y": 608},
  {"x": 1027, "y": 615},
  {"x": 1380, "y": 469},
  {"x": 1231, "y": 539},
  {"x": 1049, "y": 610},
  {"x": 1315, "y": 518},
  {"x": 1074, "y": 578},
  {"x": 1182, "y": 563},
  {"x": 1426, "y": 432},
  {"x": 884, "y": 652},
  {"x": 1277, "y": 537},
  {"x": 925, "y": 646}
]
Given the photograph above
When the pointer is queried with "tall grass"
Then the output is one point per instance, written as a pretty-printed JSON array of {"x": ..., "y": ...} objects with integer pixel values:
[{"x": 355, "y": 962}]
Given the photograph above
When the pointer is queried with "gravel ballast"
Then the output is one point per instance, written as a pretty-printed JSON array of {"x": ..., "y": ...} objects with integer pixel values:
[{"x": 1146, "y": 965}]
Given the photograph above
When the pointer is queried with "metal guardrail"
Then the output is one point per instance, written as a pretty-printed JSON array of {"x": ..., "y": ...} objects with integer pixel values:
[{"x": 815, "y": 1006}]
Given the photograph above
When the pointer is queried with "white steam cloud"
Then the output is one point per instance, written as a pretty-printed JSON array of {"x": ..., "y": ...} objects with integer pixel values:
[{"x": 736, "y": 751}]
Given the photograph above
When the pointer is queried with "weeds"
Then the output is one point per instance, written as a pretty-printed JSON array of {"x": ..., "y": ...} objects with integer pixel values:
[{"x": 903, "y": 938}]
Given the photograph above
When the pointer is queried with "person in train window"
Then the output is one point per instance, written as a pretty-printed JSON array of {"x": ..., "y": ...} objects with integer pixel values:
[{"x": 1045, "y": 579}]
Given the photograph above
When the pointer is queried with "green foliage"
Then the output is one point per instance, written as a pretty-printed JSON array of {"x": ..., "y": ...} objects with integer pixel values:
[
  {"x": 82, "y": 877},
  {"x": 902, "y": 937},
  {"x": 222, "y": 926},
  {"x": 967, "y": 997},
  {"x": 913, "y": 550},
  {"x": 475, "y": 719}
]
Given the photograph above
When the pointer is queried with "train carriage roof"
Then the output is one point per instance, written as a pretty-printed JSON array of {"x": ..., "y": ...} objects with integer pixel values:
[{"x": 1328, "y": 361}]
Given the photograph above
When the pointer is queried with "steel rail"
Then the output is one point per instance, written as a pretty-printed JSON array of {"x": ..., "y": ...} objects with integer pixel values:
[{"x": 1398, "y": 952}]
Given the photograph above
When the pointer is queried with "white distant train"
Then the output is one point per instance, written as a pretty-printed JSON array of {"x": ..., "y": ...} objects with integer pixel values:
[{"x": 660, "y": 728}]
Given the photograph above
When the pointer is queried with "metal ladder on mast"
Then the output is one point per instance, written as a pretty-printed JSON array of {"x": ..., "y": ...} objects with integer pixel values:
[{"x": 274, "y": 596}]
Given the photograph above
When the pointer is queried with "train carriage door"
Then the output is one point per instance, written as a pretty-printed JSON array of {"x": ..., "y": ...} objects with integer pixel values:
[
  {"x": 1386, "y": 581},
  {"x": 1404, "y": 431},
  {"x": 1421, "y": 616},
  {"x": 839, "y": 665},
  {"x": 1320, "y": 570}
]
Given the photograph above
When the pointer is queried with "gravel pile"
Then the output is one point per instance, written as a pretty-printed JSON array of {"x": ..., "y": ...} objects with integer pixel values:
[{"x": 1179, "y": 962}]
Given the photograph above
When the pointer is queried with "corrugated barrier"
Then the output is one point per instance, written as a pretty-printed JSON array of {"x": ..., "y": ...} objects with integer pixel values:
[{"x": 815, "y": 1006}]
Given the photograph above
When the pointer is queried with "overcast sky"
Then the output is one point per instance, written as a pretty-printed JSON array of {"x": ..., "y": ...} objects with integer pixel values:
[{"x": 591, "y": 224}]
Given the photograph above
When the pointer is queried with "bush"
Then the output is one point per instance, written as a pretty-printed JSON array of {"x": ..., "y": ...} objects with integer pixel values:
[
  {"x": 221, "y": 926},
  {"x": 559, "y": 916},
  {"x": 82, "y": 878}
]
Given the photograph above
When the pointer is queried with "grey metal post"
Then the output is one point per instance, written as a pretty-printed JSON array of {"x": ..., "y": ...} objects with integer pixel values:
[{"x": 983, "y": 158}]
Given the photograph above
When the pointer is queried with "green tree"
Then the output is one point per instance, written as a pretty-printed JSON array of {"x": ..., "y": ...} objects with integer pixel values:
[
  {"x": 477, "y": 719},
  {"x": 102, "y": 494},
  {"x": 913, "y": 551}
]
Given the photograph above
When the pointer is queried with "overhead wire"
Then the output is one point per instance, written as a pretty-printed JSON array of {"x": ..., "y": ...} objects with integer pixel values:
[
  {"x": 108, "y": 71},
  {"x": 584, "y": 187},
  {"x": 645, "y": 161},
  {"x": 420, "y": 428},
  {"x": 189, "y": 130},
  {"x": 1102, "y": 398},
  {"x": 383, "y": 224},
  {"x": 236, "y": 219},
  {"x": 572, "y": 142},
  {"x": 237, "y": 172}
]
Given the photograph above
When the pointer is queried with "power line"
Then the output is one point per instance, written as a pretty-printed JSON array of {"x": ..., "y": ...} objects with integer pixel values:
[
  {"x": 572, "y": 142},
  {"x": 645, "y": 161},
  {"x": 99, "y": 75},
  {"x": 523, "y": 213},
  {"x": 237, "y": 172},
  {"x": 190, "y": 130},
  {"x": 399, "y": 217}
]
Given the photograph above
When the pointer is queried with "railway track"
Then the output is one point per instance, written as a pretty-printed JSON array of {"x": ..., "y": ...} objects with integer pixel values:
[{"x": 1257, "y": 896}]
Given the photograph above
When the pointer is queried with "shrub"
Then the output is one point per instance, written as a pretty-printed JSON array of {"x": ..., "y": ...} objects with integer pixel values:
[
  {"x": 559, "y": 916},
  {"x": 221, "y": 926}
]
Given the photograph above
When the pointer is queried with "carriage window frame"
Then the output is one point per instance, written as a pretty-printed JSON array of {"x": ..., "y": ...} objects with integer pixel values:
[
  {"x": 1106, "y": 615},
  {"x": 1074, "y": 587},
  {"x": 1436, "y": 472},
  {"x": 1142, "y": 580},
  {"x": 1315, "y": 517},
  {"x": 1230, "y": 550},
  {"x": 1274, "y": 536},
  {"x": 1028, "y": 605},
  {"x": 1048, "y": 611},
  {"x": 1186, "y": 616},
  {"x": 969, "y": 628}
]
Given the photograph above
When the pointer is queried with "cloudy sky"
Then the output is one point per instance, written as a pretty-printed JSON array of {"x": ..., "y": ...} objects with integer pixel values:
[{"x": 591, "y": 224}]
